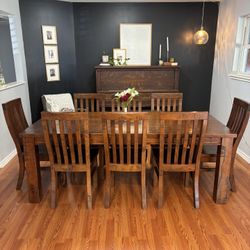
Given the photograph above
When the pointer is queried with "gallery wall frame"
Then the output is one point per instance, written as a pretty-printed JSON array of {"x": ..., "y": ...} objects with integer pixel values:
[
  {"x": 49, "y": 34},
  {"x": 136, "y": 38},
  {"x": 52, "y": 72},
  {"x": 51, "y": 54}
]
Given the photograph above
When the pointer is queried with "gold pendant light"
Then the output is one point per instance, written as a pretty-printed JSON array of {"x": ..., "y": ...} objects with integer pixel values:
[{"x": 201, "y": 36}]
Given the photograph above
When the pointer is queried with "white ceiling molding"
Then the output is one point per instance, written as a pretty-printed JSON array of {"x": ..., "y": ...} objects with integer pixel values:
[{"x": 138, "y": 1}]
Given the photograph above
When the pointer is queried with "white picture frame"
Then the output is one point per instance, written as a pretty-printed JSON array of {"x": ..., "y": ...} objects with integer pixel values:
[
  {"x": 49, "y": 34},
  {"x": 119, "y": 56},
  {"x": 136, "y": 38},
  {"x": 51, "y": 54},
  {"x": 52, "y": 72}
]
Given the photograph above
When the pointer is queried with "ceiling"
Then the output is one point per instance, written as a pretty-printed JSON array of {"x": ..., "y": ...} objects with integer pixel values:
[{"x": 137, "y": 1}]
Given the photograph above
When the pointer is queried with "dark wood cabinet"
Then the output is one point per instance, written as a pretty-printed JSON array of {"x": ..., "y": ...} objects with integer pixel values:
[{"x": 143, "y": 78}]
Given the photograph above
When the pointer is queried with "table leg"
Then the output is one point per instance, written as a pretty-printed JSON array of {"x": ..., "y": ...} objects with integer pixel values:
[
  {"x": 33, "y": 169},
  {"x": 222, "y": 182}
]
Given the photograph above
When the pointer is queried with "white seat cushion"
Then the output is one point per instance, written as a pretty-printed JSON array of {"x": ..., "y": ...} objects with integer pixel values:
[{"x": 58, "y": 103}]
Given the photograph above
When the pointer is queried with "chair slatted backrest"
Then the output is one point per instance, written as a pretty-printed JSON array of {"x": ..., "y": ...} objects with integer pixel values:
[
  {"x": 171, "y": 102},
  {"x": 134, "y": 106},
  {"x": 124, "y": 135},
  {"x": 91, "y": 102},
  {"x": 181, "y": 139},
  {"x": 238, "y": 119},
  {"x": 16, "y": 121},
  {"x": 67, "y": 139}
]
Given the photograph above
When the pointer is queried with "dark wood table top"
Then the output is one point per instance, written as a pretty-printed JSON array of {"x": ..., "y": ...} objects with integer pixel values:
[{"x": 215, "y": 129}]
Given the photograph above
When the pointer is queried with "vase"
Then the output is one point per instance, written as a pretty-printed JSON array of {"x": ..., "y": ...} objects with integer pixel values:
[{"x": 125, "y": 109}]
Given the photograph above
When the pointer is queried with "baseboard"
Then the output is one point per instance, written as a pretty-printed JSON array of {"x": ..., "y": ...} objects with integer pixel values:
[
  {"x": 243, "y": 155},
  {"x": 5, "y": 160}
]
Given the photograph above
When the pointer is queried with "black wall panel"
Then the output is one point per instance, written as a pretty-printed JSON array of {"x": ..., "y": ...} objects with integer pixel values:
[
  {"x": 96, "y": 28},
  {"x": 34, "y": 14}
]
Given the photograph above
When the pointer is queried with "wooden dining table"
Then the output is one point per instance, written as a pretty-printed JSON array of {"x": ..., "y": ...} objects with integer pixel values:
[{"x": 216, "y": 134}]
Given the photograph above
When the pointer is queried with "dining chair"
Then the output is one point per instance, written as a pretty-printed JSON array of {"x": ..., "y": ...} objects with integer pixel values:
[
  {"x": 181, "y": 141},
  {"x": 125, "y": 137},
  {"x": 92, "y": 102},
  {"x": 17, "y": 123},
  {"x": 67, "y": 140},
  {"x": 166, "y": 102},
  {"x": 58, "y": 103},
  {"x": 237, "y": 122}
]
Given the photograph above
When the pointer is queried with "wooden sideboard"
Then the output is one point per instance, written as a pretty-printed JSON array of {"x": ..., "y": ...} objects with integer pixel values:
[{"x": 143, "y": 78}]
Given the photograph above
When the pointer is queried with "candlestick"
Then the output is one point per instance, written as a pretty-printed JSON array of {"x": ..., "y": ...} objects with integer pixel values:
[
  {"x": 160, "y": 51},
  {"x": 167, "y": 48}
]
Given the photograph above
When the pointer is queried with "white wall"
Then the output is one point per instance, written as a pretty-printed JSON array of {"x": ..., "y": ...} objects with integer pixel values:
[
  {"x": 225, "y": 89},
  {"x": 6, "y": 144}
]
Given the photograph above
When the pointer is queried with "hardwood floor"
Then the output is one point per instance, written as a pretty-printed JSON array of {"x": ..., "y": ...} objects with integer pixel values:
[{"x": 178, "y": 225}]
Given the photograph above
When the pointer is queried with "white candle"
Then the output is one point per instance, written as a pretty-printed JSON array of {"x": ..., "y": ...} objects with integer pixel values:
[
  {"x": 160, "y": 51},
  {"x": 167, "y": 45}
]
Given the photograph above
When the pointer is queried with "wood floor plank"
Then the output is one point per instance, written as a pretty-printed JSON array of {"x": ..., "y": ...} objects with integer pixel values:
[{"x": 178, "y": 225}]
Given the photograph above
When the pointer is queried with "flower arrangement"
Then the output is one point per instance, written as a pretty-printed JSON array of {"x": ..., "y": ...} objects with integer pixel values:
[{"x": 126, "y": 96}]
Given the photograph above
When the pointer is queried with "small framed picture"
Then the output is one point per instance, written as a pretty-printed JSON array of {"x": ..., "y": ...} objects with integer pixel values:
[
  {"x": 52, "y": 72},
  {"x": 51, "y": 53},
  {"x": 49, "y": 34},
  {"x": 119, "y": 56}
]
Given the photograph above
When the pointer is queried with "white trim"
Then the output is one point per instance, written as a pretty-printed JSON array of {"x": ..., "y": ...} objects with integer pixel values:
[
  {"x": 243, "y": 155},
  {"x": 239, "y": 77},
  {"x": 10, "y": 85},
  {"x": 5, "y": 160}
]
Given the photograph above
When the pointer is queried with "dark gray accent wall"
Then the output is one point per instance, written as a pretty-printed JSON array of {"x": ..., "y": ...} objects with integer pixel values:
[
  {"x": 97, "y": 29},
  {"x": 86, "y": 29},
  {"x": 34, "y": 14}
]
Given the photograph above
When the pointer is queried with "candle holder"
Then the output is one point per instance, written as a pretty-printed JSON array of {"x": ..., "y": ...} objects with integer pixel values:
[{"x": 161, "y": 62}]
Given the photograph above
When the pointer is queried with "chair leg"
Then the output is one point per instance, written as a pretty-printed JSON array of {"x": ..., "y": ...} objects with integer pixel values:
[
  {"x": 21, "y": 172},
  {"x": 53, "y": 188},
  {"x": 231, "y": 177},
  {"x": 89, "y": 193},
  {"x": 107, "y": 189},
  {"x": 196, "y": 190},
  {"x": 160, "y": 194},
  {"x": 143, "y": 187}
]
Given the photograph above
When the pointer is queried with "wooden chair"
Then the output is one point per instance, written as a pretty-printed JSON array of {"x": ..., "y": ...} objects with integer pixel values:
[
  {"x": 92, "y": 102},
  {"x": 237, "y": 123},
  {"x": 125, "y": 137},
  {"x": 67, "y": 140},
  {"x": 181, "y": 141},
  {"x": 166, "y": 102},
  {"x": 17, "y": 123}
]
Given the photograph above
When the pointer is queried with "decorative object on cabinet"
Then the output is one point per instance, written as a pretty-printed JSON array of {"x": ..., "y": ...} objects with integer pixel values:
[
  {"x": 136, "y": 38},
  {"x": 119, "y": 57}
]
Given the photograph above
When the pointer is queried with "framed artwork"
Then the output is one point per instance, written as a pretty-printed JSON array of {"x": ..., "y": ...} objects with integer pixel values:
[
  {"x": 52, "y": 72},
  {"x": 136, "y": 38},
  {"x": 51, "y": 53},
  {"x": 49, "y": 34},
  {"x": 119, "y": 56}
]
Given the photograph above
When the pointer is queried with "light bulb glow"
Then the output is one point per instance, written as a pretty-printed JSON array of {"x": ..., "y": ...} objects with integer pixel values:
[{"x": 201, "y": 37}]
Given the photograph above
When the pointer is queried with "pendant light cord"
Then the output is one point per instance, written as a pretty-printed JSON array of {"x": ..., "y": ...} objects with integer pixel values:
[{"x": 202, "y": 17}]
